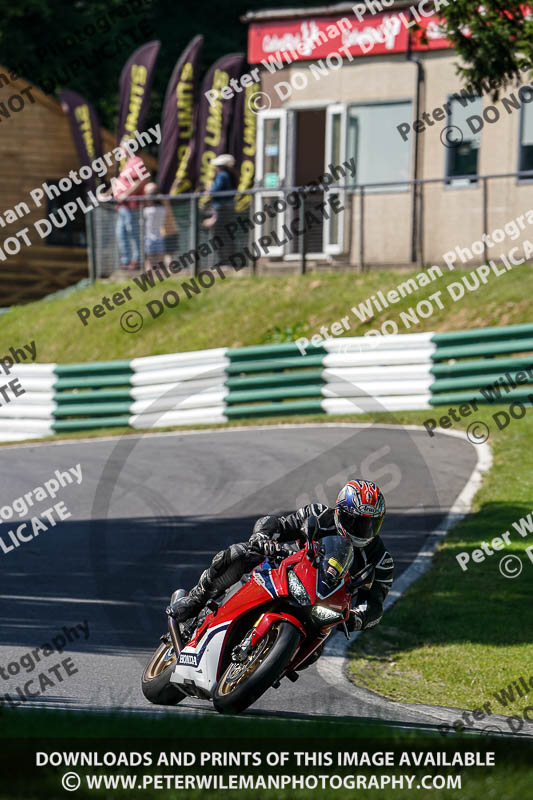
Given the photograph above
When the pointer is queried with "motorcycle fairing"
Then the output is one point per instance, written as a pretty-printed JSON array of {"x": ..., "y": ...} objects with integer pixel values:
[
  {"x": 263, "y": 576},
  {"x": 200, "y": 660},
  {"x": 197, "y": 662}
]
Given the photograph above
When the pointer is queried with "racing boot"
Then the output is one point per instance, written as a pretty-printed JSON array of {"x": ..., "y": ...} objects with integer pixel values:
[
  {"x": 227, "y": 567},
  {"x": 186, "y": 607}
]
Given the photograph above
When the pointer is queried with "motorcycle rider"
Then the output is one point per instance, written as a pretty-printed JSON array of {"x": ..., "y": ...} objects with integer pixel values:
[{"x": 357, "y": 516}]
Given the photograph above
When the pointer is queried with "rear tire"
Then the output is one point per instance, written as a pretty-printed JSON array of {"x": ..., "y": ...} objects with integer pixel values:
[
  {"x": 156, "y": 685},
  {"x": 243, "y": 684}
]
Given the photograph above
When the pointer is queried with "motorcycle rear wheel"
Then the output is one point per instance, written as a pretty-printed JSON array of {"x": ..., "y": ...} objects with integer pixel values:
[
  {"x": 156, "y": 685},
  {"x": 243, "y": 684}
]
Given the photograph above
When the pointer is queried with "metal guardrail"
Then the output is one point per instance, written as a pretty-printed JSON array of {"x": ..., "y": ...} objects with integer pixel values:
[{"x": 192, "y": 243}]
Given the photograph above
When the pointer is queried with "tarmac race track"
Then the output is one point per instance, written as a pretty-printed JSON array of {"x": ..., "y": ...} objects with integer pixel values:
[{"x": 149, "y": 514}]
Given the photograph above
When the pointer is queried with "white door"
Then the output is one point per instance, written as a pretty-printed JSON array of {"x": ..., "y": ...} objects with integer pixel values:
[
  {"x": 271, "y": 172},
  {"x": 335, "y": 154}
]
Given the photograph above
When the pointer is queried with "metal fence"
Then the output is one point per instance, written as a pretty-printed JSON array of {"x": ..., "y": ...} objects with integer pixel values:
[
  {"x": 292, "y": 227},
  {"x": 199, "y": 231}
]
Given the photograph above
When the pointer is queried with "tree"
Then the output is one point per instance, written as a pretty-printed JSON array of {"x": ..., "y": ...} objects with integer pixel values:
[
  {"x": 494, "y": 40},
  {"x": 83, "y": 44}
]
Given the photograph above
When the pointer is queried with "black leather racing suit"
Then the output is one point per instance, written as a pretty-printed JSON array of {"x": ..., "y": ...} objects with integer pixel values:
[{"x": 229, "y": 565}]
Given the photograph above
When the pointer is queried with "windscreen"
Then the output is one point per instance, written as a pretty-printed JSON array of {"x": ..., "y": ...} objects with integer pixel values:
[{"x": 336, "y": 556}]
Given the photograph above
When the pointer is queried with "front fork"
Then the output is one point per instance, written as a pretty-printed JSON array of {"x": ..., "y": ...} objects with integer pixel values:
[
  {"x": 261, "y": 627},
  {"x": 175, "y": 635}
]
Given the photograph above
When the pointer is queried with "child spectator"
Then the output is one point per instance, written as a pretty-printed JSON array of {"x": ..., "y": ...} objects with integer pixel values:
[
  {"x": 170, "y": 233},
  {"x": 154, "y": 216}
]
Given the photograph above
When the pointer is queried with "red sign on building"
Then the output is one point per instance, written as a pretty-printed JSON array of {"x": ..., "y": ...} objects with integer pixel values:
[{"x": 318, "y": 37}]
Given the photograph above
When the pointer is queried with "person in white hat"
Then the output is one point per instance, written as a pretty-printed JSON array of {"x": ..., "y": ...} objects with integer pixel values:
[
  {"x": 224, "y": 160},
  {"x": 224, "y": 180}
]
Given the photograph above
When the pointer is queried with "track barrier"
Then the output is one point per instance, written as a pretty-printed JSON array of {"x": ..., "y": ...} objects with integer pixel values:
[{"x": 344, "y": 375}]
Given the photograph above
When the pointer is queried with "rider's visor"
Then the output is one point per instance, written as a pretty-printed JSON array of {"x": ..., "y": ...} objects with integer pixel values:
[{"x": 360, "y": 529}]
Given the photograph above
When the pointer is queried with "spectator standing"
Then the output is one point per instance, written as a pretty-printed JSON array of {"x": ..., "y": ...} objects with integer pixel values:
[
  {"x": 131, "y": 181},
  {"x": 225, "y": 181}
]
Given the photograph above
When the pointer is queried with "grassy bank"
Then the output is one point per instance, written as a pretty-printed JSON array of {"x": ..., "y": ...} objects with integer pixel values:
[
  {"x": 172, "y": 733},
  {"x": 457, "y": 638},
  {"x": 244, "y": 310}
]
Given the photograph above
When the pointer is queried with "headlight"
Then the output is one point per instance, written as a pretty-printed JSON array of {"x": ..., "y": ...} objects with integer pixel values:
[
  {"x": 326, "y": 615},
  {"x": 297, "y": 589}
]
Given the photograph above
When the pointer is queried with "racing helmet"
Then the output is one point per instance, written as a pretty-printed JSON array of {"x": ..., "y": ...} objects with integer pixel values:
[{"x": 359, "y": 511}]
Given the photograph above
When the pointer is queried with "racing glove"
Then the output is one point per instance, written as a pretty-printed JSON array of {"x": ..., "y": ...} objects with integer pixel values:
[
  {"x": 276, "y": 549},
  {"x": 264, "y": 530},
  {"x": 269, "y": 548},
  {"x": 354, "y": 622}
]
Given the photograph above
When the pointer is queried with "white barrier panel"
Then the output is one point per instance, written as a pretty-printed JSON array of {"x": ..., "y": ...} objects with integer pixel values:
[
  {"x": 195, "y": 416},
  {"x": 21, "y": 436},
  {"x": 176, "y": 388},
  {"x": 365, "y": 344},
  {"x": 29, "y": 426},
  {"x": 376, "y": 388},
  {"x": 361, "y": 404},
  {"x": 34, "y": 398},
  {"x": 205, "y": 400},
  {"x": 179, "y": 359},
  {"x": 31, "y": 384},
  {"x": 385, "y": 357},
  {"x": 16, "y": 411},
  {"x": 33, "y": 370},
  {"x": 392, "y": 374},
  {"x": 178, "y": 374}
]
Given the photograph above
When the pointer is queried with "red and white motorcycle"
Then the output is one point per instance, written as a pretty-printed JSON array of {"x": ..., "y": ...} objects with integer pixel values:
[{"x": 260, "y": 632}]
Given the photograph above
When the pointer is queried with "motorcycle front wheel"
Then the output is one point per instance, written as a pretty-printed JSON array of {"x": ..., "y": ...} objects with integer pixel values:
[
  {"x": 244, "y": 683},
  {"x": 156, "y": 685}
]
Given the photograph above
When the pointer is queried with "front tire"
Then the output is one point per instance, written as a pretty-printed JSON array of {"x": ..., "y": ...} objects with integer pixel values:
[
  {"x": 156, "y": 685},
  {"x": 243, "y": 684}
]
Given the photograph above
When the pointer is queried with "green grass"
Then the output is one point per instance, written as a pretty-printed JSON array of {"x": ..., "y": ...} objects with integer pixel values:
[
  {"x": 456, "y": 637},
  {"x": 60, "y": 732},
  {"x": 244, "y": 310}
]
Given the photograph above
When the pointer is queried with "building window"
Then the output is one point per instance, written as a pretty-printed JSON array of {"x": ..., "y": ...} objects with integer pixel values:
[
  {"x": 73, "y": 232},
  {"x": 380, "y": 154},
  {"x": 525, "y": 158},
  {"x": 462, "y": 139},
  {"x": 271, "y": 154}
]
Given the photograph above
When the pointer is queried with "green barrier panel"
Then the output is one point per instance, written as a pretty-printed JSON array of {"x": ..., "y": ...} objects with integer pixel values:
[
  {"x": 478, "y": 381},
  {"x": 97, "y": 396},
  {"x": 273, "y": 394},
  {"x": 487, "y": 365},
  {"x": 89, "y": 424},
  {"x": 97, "y": 367},
  {"x": 488, "y": 349},
  {"x": 92, "y": 409},
  {"x": 274, "y": 409},
  {"x": 276, "y": 379},
  {"x": 467, "y": 397},
  {"x": 93, "y": 383},
  {"x": 270, "y": 364},
  {"x": 268, "y": 350},
  {"x": 483, "y": 334}
]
